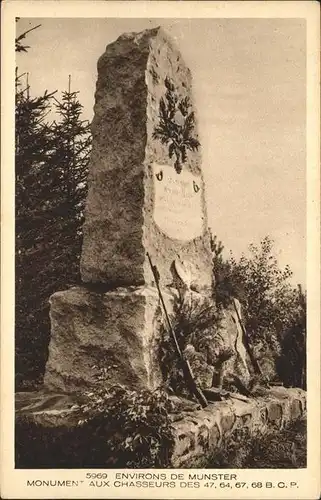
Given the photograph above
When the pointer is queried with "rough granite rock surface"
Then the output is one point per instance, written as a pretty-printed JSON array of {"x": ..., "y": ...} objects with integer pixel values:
[
  {"x": 231, "y": 332},
  {"x": 114, "y": 333},
  {"x": 119, "y": 226},
  {"x": 102, "y": 325}
]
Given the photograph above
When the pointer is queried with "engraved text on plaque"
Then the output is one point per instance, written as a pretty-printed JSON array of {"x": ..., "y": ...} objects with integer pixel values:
[{"x": 178, "y": 203}]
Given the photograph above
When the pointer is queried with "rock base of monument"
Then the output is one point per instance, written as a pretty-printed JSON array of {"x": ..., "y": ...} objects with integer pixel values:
[
  {"x": 199, "y": 434},
  {"x": 104, "y": 338}
]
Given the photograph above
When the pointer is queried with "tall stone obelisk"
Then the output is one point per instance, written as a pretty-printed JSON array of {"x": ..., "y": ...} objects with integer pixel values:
[{"x": 145, "y": 194}]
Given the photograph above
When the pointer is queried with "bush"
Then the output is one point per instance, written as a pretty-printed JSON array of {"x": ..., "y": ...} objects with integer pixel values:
[
  {"x": 195, "y": 323},
  {"x": 115, "y": 428},
  {"x": 274, "y": 311},
  {"x": 284, "y": 449}
]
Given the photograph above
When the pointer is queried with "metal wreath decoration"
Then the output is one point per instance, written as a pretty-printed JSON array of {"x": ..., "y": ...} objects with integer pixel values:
[{"x": 176, "y": 124}]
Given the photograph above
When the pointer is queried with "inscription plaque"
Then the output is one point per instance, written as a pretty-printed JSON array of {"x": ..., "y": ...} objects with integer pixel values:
[{"x": 178, "y": 203}]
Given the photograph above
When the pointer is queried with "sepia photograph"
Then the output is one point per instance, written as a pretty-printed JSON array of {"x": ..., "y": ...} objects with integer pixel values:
[{"x": 160, "y": 252}]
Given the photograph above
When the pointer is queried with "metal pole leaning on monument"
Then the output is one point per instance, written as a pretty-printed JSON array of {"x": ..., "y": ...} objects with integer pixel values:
[{"x": 187, "y": 370}]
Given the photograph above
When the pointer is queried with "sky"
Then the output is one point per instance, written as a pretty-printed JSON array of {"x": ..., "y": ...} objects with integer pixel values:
[{"x": 249, "y": 86}]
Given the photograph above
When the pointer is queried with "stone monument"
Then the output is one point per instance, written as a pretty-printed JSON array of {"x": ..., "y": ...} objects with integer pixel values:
[{"x": 145, "y": 194}]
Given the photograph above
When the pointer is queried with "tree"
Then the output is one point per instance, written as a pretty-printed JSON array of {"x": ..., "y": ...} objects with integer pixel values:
[
  {"x": 72, "y": 150},
  {"x": 224, "y": 288},
  {"x": 69, "y": 167},
  {"x": 51, "y": 170},
  {"x": 19, "y": 46},
  {"x": 33, "y": 146},
  {"x": 292, "y": 362}
]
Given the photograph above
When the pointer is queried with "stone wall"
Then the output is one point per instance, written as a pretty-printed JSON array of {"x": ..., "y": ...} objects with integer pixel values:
[
  {"x": 202, "y": 432},
  {"x": 199, "y": 433}
]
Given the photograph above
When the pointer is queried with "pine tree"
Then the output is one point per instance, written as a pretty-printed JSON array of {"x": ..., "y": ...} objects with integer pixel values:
[
  {"x": 33, "y": 148},
  {"x": 51, "y": 170},
  {"x": 19, "y": 45},
  {"x": 72, "y": 150}
]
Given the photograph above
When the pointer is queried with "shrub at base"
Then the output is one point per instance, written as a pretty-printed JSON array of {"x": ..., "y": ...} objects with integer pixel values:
[{"x": 115, "y": 428}]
